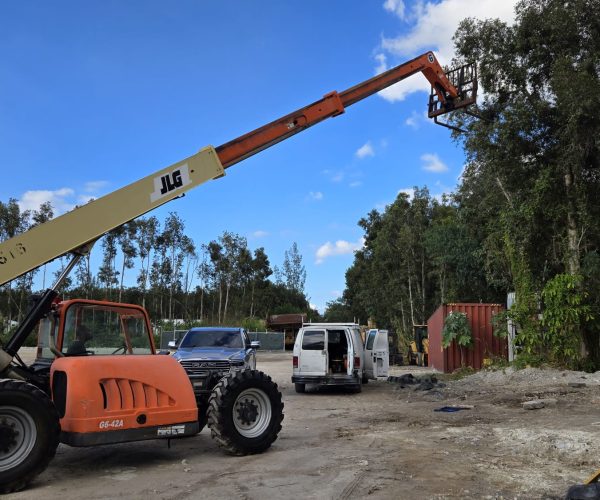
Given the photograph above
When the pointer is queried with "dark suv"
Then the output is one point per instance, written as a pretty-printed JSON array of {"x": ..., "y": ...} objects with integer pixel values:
[{"x": 209, "y": 353}]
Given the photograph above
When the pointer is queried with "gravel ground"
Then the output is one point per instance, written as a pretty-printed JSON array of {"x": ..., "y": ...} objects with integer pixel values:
[{"x": 388, "y": 442}]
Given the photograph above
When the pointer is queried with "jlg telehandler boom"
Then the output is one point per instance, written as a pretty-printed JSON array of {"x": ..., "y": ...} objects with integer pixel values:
[{"x": 82, "y": 400}]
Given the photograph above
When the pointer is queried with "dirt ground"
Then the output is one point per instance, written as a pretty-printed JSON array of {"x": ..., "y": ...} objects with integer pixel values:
[{"x": 386, "y": 442}]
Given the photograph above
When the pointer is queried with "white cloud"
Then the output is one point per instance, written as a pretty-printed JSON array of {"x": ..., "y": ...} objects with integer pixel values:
[
  {"x": 415, "y": 120},
  {"x": 433, "y": 26},
  {"x": 395, "y": 7},
  {"x": 260, "y": 234},
  {"x": 340, "y": 247},
  {"x": 82, "y": 199},
  {"x": 408, "y": 191},
  {"x": 315, "y": 196},
  {"x": 365, "y": 150},
  {"x": 355, "y": 184},
  {"x": 432, "y": 163},
  {"x": 334, "y": 175},
  {"x": 94, "y": 186},
  {"x": 62, "y": 200},
  {"x": 400, "y": 90}
]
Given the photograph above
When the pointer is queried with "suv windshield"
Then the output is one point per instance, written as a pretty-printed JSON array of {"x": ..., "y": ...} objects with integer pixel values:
[{"x": 212, "y": 339}]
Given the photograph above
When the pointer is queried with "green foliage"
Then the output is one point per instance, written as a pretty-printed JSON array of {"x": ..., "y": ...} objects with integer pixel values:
[
  {"x": 253, "y": 324},
  {"x": 460, "y": 373},
  {"x": 524, "y": 312},
  {"x": 531, "y": 183},
  {"x": 526, "y": 360},
  {"x": 338, "y": 311},
  {"x": 457, "y": 329},
  {"x": 565, "y": 314}
]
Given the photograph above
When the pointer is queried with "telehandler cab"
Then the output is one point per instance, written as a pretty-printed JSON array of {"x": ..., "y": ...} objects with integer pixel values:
[{"x": 97, "y": 378}]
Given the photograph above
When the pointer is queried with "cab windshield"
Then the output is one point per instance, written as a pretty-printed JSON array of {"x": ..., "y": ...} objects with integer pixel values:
[{"x": 102, "y": 329}]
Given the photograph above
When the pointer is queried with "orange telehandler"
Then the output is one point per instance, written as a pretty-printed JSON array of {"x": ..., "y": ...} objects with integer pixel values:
[{"x": 97, "y": 378}]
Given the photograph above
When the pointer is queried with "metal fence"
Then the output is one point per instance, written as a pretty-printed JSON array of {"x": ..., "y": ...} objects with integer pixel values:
[
  {"x": 269, "y": 341},
  {"x": 166, "y": 337}
]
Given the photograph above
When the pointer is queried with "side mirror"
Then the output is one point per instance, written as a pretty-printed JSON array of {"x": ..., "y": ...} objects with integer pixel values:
[
  {"x": 172, "y": 344},
  {"x": 255, "y": 344}
]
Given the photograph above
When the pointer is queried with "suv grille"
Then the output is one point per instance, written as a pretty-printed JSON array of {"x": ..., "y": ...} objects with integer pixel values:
[{"x": 200, "y": 368}]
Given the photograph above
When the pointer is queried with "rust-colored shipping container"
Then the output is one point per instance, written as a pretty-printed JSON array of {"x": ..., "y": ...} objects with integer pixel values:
[{"x": 485, "y": 343}]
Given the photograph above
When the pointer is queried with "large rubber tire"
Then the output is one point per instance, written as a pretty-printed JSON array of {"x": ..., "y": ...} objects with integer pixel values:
[
  {"x": 29, "y": 433},
  {"x": 300, "y": 388},
  {"x": 245, "y": 412}
]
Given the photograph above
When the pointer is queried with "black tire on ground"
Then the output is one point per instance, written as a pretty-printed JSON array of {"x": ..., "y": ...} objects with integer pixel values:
[
  {"x": 300, "y": 388},
  {"x": 29, "y": 433},
  {"x": 356, "y": 388},
  {"x": 245, "y": 412},
  {"x": 365, "y": 379},
  {"x": 202, "y": 415}
]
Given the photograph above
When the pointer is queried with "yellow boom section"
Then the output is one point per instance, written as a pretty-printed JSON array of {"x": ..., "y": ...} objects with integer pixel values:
[{"x": 86, "y": 224}]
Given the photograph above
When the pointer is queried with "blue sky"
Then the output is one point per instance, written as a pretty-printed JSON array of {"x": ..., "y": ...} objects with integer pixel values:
[{"x": 96, "y": 95}]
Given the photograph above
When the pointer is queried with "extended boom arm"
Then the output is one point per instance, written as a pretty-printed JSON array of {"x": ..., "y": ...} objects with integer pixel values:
[{"x": 82, "y": 226}]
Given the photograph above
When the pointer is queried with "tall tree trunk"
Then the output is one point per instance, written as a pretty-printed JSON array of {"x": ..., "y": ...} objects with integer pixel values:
[
  {"x": 404, "y": 326},
  {"x": 220, "y": 300},
  {"x": 573, "y": 255},
  {"x": 201, "y": 303},
  {"x": 121, "y": 281},
  {"x": 422, "y": 286},
  {"x": 573, "y": 261},
  {"x": 410, "y": 297},
  {"x": 228, "y": 285}
]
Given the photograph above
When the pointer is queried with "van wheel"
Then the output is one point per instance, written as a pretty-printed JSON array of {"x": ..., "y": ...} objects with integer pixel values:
[
  {"x": 29, "y": 433},
  {"x": 245, "y": 412},
  {"x": 300, "y": 388},
  {"x": 365, "y": 379}
]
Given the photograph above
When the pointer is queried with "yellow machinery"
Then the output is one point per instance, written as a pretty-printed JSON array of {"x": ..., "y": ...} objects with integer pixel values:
[{"x": 418, "y": 350}]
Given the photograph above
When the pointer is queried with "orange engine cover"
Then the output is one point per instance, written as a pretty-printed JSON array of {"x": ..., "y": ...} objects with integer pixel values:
[{"x": 110, "y": 399}]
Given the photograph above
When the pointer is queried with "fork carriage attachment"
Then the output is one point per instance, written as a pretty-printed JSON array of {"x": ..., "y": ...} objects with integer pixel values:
[{"x": 464, "y": 79}]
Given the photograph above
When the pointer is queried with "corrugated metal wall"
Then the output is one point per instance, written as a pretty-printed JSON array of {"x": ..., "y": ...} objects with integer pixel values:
[{"x": 485, "y": 344}]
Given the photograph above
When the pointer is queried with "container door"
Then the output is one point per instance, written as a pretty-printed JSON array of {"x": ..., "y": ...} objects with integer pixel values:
[
  {"x": 313, "y": 353},
  {"x": 369, "y": 355},
  {"x": 381, "y": 354}
]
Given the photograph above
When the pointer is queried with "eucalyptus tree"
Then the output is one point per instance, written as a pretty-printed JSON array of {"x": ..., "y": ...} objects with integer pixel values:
[
  {"x": 174, "y": 242},
  {"x": 44, "y": 213},
  {"x": 260, "y": 272},
  {"x": 13, "y": 221},
  {"x": 294, "y": 272},
  {"x": 107, "y": 273},
  {"x": 144, "y": 240},
  {"x": 125, "y": 239}
]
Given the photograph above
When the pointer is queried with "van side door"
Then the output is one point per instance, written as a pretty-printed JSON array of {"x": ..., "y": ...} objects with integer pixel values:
[
  {"x": 369, "y": 343},
  {"x": 377, "y": 354},
  {"x": 313, "y": 352}
]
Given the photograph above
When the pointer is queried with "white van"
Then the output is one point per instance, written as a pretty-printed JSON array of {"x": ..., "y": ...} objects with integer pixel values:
[{"x": 333, "y": 354}]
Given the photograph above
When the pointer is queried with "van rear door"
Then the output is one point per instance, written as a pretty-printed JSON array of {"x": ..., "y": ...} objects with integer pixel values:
[
  {"x": 377, "y": 354},
  {"x": 313, "y": 353}
]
